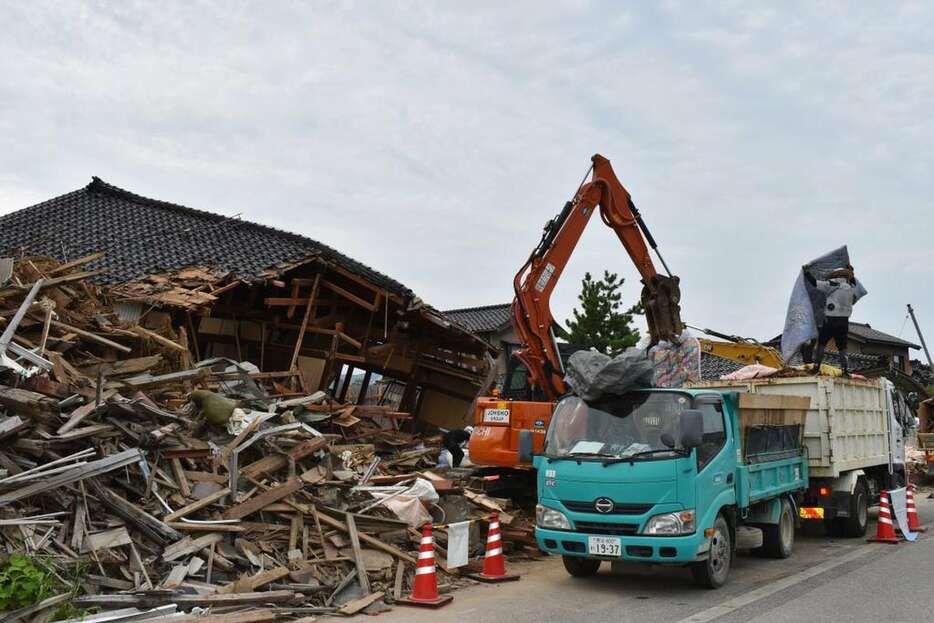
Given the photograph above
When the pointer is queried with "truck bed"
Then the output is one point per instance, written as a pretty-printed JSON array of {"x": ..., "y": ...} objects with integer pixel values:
[{"x": 846, "y": 426}]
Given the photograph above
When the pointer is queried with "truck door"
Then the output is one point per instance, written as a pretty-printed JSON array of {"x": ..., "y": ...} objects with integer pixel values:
[{"x": 715, "y": 463}]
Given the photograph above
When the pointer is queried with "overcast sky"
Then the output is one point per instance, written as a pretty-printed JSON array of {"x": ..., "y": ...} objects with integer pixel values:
[{"x": 432, "y": 140}]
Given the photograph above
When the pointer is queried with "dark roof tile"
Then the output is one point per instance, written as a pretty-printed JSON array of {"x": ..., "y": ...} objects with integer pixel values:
[
  {"x": 485, "y": 319},
  {"x": 143, "y": 236}
]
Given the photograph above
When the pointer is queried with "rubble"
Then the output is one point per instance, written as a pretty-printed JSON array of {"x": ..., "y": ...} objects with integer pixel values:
[{"x": 166, "y": 485}]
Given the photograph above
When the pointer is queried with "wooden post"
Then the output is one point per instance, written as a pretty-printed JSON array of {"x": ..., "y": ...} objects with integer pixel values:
[
  {"x": 194, "y": 336},
  {"x": 326, "y": 377},
  {"x": 346, "y": 385},
  {"x": 309, "y": 311},
  {"x": 364, "y": 387}
]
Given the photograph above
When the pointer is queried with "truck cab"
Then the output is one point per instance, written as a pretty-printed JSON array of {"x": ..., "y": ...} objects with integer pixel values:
[{"x": 660, "y": 476}]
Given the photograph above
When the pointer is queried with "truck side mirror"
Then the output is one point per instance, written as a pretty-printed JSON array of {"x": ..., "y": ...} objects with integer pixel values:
[
  {"x": 525, "y": 446},
  {"x": 692, "y": 428}
]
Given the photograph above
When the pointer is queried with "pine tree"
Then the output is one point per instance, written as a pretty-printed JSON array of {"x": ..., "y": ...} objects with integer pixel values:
[{"x": 601, "y": 324}]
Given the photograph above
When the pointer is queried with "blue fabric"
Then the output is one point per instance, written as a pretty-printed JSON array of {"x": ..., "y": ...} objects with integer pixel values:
[{"x": 806, "y": 306}]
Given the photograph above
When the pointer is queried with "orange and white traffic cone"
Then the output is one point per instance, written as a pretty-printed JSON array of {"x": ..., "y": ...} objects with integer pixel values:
[
  {"x": 914, "y": 523},
  {"x": 425, "y": 585},
  {"x": 494, "y": 563},
  {"x": 885, "y": 532}
]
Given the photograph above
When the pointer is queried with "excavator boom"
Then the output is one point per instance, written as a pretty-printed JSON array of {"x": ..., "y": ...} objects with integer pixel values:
[
  {"x": 535, "y": 281},
  {"x": 495, "y": 440}
]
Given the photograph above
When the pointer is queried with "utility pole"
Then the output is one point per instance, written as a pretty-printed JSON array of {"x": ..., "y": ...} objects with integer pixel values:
[{"x": 927, "y": 353}]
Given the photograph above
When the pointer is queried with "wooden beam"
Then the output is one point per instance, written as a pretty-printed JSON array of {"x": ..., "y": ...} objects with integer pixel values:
[
  {"x": 357, "y": 553},
  {"x": 350, "y": 296},
  {"x": 309, "y": 312},
  {"x": 258, "y": 502},
  {"x": 48, "y": 283},
  {"x": 366, "y": 538},
  {"x": 146, "y": 334},
  {"x": 91, "y": 336},
  {"x": 64, "y": 268},
  {"x": 198, "y": 505}
]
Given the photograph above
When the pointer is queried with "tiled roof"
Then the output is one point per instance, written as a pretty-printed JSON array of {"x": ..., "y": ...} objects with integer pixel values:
[
  {"x": 143, "y": 236},
  {"x": 862, "y": 332},
  {"x": 865, "y": 333},
  {"x": 486, "y": 319},
  {"x": 713, "y": 367}
]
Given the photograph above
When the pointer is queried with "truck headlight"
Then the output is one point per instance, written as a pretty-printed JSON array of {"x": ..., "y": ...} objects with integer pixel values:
[
  {"x": 671, "y": 524},
  {"x": 548, "y": 518}
]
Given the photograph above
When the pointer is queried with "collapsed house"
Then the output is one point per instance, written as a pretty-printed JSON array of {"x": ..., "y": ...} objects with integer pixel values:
[{"x": 307, "y": 316}]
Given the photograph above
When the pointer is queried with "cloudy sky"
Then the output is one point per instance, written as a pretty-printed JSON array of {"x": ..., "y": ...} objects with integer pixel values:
[{"x": 432, "y": 140}]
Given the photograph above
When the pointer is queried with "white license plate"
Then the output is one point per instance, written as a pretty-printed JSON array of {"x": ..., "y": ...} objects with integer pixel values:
[
  {"x": 496, "y": 416},
  {"x": 604, "y": 546}
]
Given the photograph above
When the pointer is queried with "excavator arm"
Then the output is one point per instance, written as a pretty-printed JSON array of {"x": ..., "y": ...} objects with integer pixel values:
[{"x": 535, "y": 281}]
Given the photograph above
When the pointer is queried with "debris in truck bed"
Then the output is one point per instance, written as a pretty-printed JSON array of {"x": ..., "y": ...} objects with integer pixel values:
[{"x": 165, "y": 485}]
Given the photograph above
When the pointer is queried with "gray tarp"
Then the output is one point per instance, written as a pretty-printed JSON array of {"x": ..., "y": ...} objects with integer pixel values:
[
  {"x": 590, "y": 374},
  {"x": 806, "y": 306}
]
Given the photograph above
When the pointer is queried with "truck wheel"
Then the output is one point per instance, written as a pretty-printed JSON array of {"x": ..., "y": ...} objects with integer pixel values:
[
  {"x": 580, "y": 567},
  {"x": 712, "y": 573},
  {"x": 854, "y": 526},
  {"x": 779, "y": 539}
]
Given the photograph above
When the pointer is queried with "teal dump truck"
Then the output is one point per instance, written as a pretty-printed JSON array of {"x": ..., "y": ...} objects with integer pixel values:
[{"x": 688, "y": 476}]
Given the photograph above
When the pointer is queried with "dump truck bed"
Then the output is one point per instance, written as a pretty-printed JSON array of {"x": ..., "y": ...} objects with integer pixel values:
[{"x": 847, "y": 423}]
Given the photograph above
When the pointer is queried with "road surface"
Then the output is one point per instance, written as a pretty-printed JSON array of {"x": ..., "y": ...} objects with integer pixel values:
[{"x": 824, "y": 580}]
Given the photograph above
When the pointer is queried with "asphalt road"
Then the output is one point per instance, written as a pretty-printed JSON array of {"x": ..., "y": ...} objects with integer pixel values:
[{"x": 824, "y": 580}]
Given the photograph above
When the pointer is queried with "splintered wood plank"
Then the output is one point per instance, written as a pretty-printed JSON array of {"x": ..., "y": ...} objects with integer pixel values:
[
  {"x": 115, "y": 537},
  {"x": 258, "y": 502},
  {"x": 275, "y": 462},
  {"x": 251, "y": 583},
  {"x": 357, "y": 554},
  {"x": 189, "y": 546},
  {"x": 180, "y": 477},
  {"x": 397, "y": 585},
  {"x": 198, "y": 505},
  {"x": 67, "y": 266},
  {"x": 366, "y": 538},
  {"x": 176, "y": 576},
  {"x": 355, "y": 606}
]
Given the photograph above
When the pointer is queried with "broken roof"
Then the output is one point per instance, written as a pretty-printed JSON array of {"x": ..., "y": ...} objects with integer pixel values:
[
  {"x": 484, "y": 319},
  {"x": 143, "y": 236}
]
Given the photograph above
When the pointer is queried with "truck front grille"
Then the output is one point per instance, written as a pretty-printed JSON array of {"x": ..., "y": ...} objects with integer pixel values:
[
  {"x": 618, "y": 509},
  {"x": 613, "y": 529}
]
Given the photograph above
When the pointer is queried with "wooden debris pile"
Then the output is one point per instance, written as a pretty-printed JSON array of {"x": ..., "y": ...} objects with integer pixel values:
[{"x": 151, "y": 485}]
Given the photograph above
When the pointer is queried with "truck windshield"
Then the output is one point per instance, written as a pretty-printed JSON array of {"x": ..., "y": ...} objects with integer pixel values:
[{"x": 614, "y": 427}]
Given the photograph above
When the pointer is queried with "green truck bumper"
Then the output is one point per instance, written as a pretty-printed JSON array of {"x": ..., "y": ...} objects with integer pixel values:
[{"x": 654, "y": 549}]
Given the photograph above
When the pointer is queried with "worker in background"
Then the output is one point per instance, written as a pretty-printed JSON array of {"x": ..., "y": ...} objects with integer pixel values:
[
  {"x": 454, "y": 442},
  {"x": 840, "y": 294}
]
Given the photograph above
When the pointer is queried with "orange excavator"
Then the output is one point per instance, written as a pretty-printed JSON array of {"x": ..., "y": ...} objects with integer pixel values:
[{"x": 498, "y": 422}]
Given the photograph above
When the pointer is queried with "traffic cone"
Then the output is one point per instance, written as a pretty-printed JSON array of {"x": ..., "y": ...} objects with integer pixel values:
[
  {"x": 425, "y": 585},
  {"x": 914, "y": 523},
  {"x": 885, "y": 533},
  {"x": 494, "y": 563}
]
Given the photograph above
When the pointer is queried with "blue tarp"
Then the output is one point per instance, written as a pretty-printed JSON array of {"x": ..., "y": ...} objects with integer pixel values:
[{"x": 806, "y": 306}]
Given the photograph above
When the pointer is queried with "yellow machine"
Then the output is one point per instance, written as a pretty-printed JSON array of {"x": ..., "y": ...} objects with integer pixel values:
[{"x": 745, "y": 353}]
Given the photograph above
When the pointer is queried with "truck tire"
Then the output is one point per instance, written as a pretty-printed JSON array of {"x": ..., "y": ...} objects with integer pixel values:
[
  {"x": 778, "y": 540},
  {"x": 580, "y": 567},
  {"x": 713, "y": 572},
  {"x": 854, "y": 526}
]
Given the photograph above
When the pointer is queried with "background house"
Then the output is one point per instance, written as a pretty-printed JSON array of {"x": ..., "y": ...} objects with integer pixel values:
[
  {"x": 870, "y": 348},
  {"x": 493, "y": 324}
]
